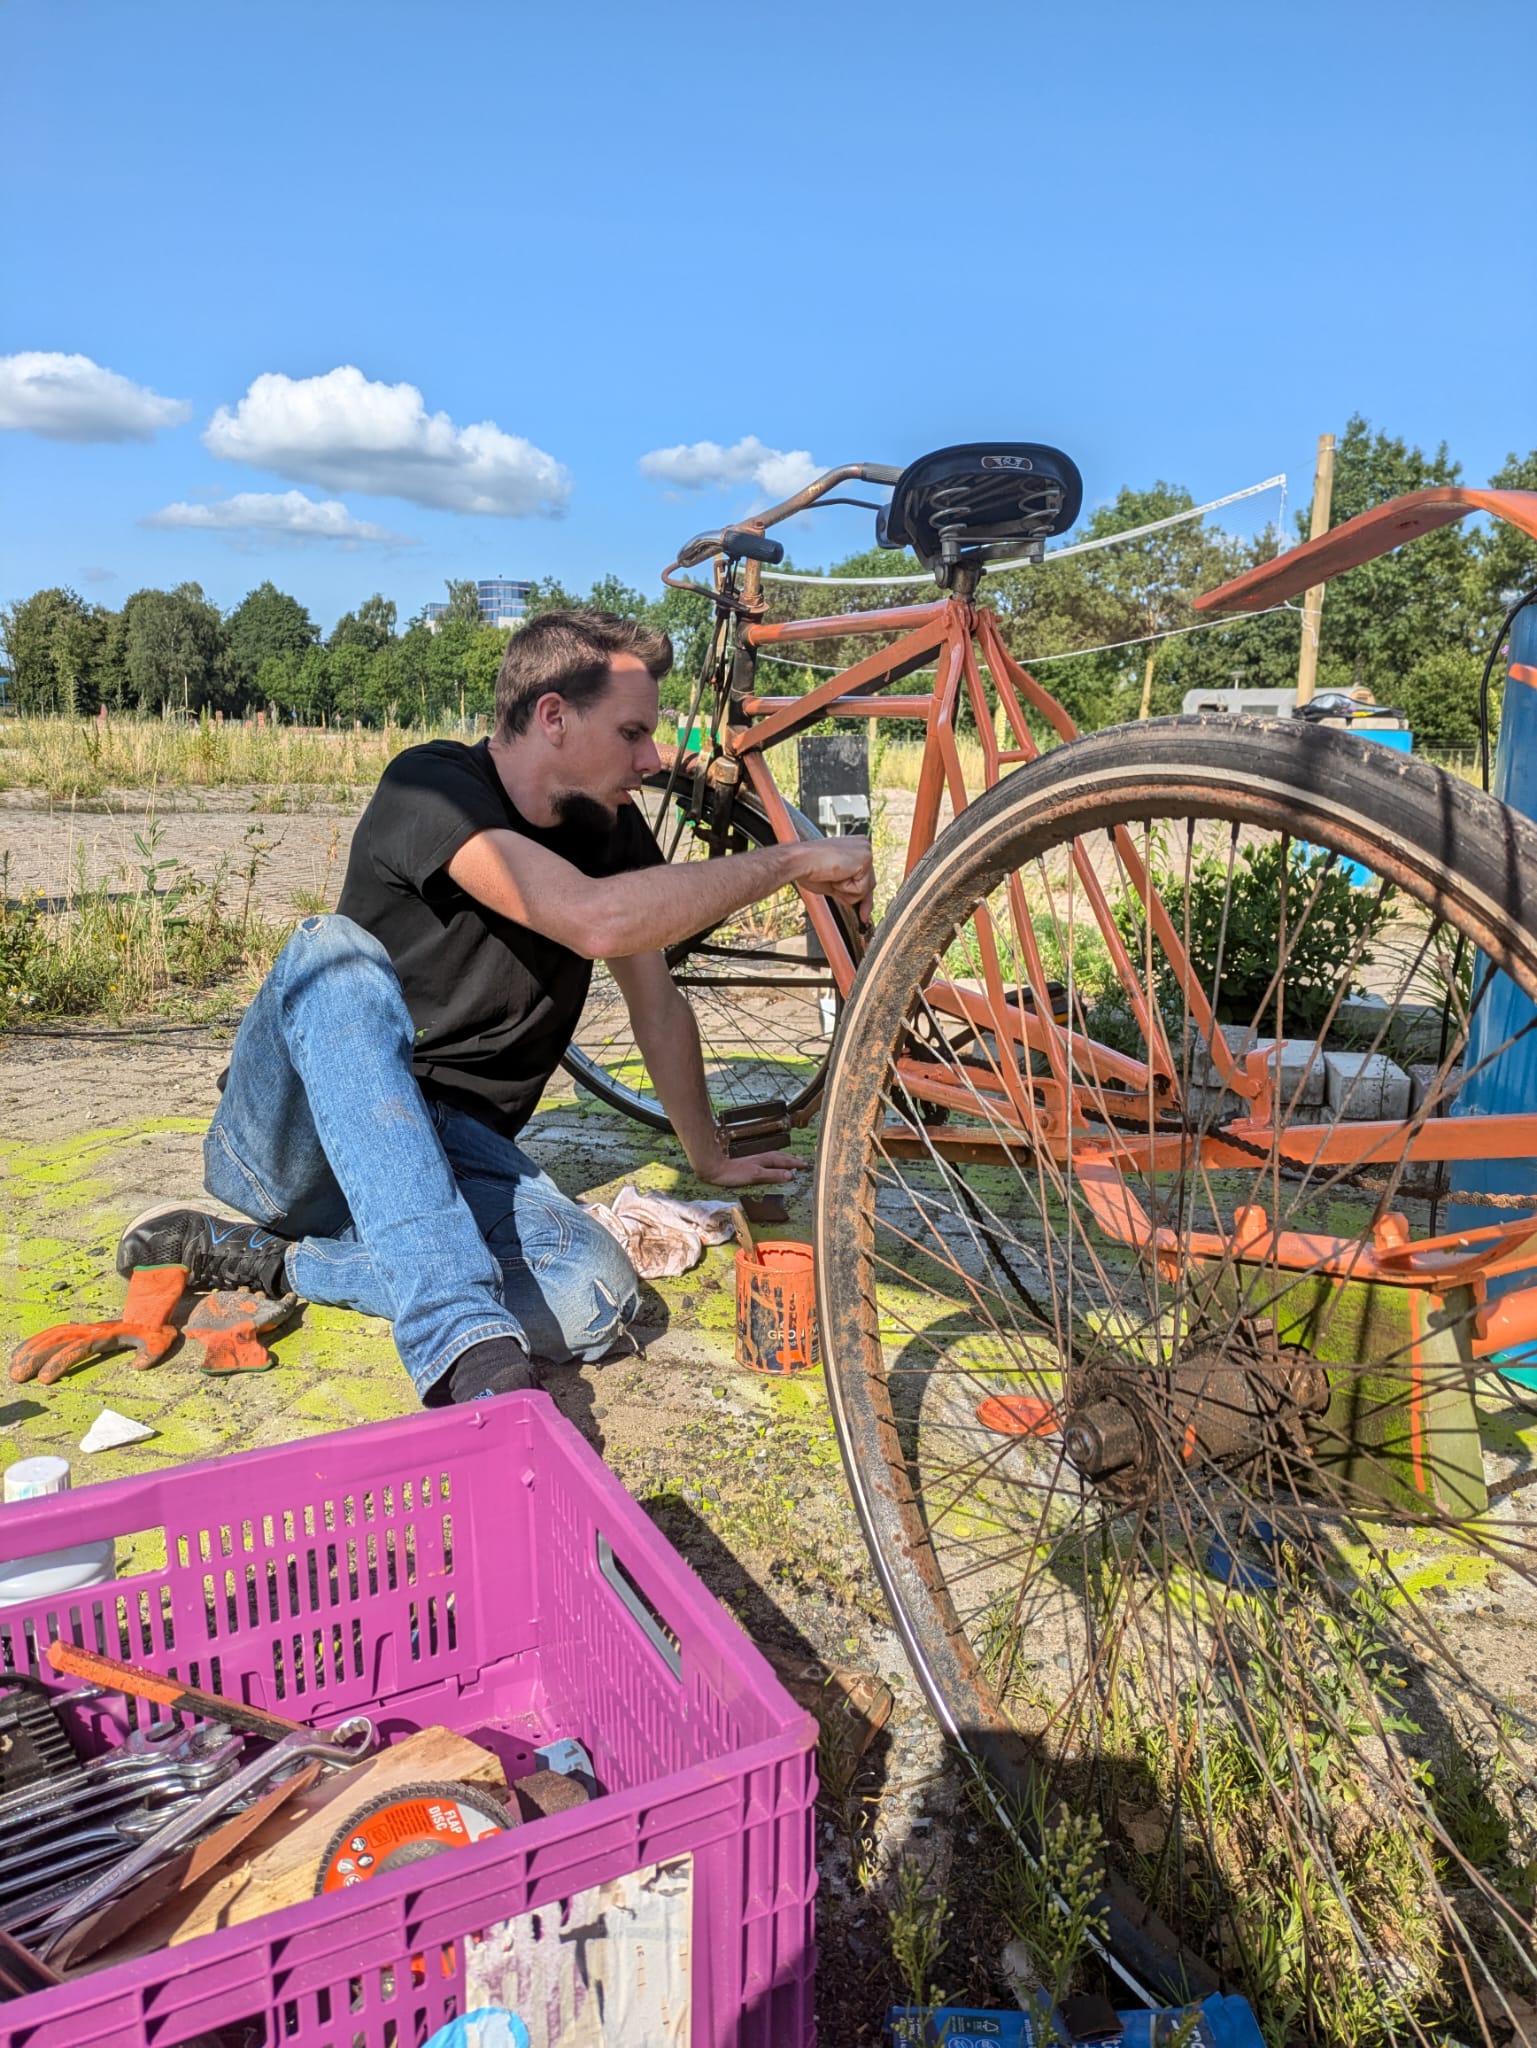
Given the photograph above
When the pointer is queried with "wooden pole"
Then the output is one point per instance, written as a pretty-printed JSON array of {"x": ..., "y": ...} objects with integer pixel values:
[{"x": 1313, "y": 603}]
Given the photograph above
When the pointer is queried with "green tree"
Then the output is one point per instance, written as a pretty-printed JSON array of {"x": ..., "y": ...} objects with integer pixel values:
[
  {"x": 347, "y": 678},
  {"x": 549, "y": 594},
  {"x": 370, "y": 627},
  {"x": 265, "y": 623},
  {"x": 1439, "y": 696},
  {"x": 298, "y": 684},
  {"x": 76, "y": 646},
  {"x": 176, "y": 652},
  {"x": 1116, "y": 600},
  {"x": 1506, "y": 558},
  {"x": 387, "y": 685},
  {"x": 463, "y": 604},
  {"x": 37, "y": 630},
  {"x": 1387, "y": 617}
]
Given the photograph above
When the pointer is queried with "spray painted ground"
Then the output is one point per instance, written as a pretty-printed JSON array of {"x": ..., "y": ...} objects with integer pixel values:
[{"x": 741, "y": 1473}]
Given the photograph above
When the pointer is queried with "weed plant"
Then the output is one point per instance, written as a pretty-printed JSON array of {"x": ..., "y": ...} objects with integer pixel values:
[
  {"x": 170, "y": 946},
  {"x": 916, "y": 1923}
]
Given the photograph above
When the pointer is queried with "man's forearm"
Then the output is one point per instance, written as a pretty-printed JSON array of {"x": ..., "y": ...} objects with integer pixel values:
[
  {"x": 670, "y": 1047},
  {"x": 633, "y": 914}
]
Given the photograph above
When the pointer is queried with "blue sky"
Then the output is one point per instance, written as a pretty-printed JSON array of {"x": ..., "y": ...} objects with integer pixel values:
[{"x": 449, "y": 273}]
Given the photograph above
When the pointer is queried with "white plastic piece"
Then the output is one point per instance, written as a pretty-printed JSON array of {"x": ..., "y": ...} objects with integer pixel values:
[
  {"x": 111, "y": 1431},
  {"x": 55, "y": 1572}
]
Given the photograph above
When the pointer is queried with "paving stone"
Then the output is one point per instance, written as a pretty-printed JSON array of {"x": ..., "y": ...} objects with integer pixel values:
[
  {"x": 1422, "y": 1078},
  {"x": 1209, "y": 1107},
  {"x": 1363, "y": 1086},
  {"x": 1411, "y": 1031}
]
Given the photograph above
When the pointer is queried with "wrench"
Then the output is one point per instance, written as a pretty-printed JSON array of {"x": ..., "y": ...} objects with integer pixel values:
[
  {"x": 112, "y": 1805},
  {"x": 200, "y": 1754},
  {"x": 348, "y": 1743},
  {"x": 125, "y": 1785},
  {"x": 45, "y": 1858}
]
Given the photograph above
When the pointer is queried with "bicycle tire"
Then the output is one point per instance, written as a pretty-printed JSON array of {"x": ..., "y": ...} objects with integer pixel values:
[
  {"x": 1459, "y": 858},
  {"x": 782, "y": 1085}
]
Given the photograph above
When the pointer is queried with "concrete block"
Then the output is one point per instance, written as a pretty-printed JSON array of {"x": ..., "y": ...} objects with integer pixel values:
[
  {"x": 1363, "y": 1086},
  {"x": 1407, "y": 1030},
  {"x": 1422, "y": 1075},
  {"x": 1295, "y": 1054}
]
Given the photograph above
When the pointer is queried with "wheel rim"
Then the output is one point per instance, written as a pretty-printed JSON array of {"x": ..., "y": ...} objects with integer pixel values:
[{"x": 1146, "y": 1581}]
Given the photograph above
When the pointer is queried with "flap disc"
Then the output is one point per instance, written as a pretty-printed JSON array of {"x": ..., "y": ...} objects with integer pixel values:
[{"x": 405, "y": 1826}]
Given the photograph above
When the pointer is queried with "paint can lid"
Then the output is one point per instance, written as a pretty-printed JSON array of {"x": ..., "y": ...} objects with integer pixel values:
[{"x": 31, "y": 1478}]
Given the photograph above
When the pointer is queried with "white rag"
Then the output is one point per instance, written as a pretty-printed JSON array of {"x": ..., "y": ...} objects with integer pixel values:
[{"x": 663, "y": 1237}]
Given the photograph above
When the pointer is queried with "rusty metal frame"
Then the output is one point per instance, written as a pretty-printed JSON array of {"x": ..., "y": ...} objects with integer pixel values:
[
  {"x": 1055, "y": 1114},
  {"x": 1363, "y": 539}
]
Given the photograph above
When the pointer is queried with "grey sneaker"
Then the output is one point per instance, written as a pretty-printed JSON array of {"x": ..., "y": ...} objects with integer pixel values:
[{"x": 217, "y": 1251}]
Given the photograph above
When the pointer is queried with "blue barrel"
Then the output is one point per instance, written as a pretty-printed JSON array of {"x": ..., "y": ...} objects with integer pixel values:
[{"x": 1508, "y": 1084}]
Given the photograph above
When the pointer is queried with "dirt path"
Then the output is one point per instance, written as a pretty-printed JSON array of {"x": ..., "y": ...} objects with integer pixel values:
[{"x": 291, "y": 849}]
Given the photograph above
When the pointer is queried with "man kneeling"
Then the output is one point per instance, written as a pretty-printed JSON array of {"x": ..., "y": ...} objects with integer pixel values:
[{"x": 381, "y": 1077}]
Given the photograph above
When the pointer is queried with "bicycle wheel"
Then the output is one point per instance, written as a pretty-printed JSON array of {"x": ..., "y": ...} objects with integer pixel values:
[
  {"x": 765, "y": 1002},
  {"x": 1201, "y": 1527}
]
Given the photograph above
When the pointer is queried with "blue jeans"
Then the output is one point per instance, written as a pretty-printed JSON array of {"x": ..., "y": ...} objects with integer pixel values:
[{"x": 400, "y": 1207}]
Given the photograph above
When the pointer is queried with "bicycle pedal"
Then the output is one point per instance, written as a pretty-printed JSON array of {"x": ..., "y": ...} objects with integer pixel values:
[{"x": 753, "y": 1128}]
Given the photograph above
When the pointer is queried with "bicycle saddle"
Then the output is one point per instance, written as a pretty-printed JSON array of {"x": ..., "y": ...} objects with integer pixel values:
[{"x": 971, "y": 504}]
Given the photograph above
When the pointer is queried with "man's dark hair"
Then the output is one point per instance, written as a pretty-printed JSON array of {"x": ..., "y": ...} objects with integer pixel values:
[{"x": 569, "y": 653}]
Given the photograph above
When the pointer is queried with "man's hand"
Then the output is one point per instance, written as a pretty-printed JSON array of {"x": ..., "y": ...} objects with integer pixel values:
[
  {"x": 724, "y": 1172},
  {"x": 841, "y": 868}
]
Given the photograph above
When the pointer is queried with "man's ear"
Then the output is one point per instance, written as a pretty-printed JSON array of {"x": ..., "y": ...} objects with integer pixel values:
[{"x": 550, "y": 716}]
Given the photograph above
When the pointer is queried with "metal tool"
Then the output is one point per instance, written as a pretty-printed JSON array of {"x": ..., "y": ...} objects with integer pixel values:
[
  {"x": 198, "y": 1759},
  {"x": 347, "y": 1744},
  {"x": 57, "y": 1838},
  {"x": 138, "y": 1683}
]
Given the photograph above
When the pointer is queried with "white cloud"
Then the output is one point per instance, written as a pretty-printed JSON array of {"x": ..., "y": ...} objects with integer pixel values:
[
  {"x": 706, "y": 466},
  {"x": 70, "y": 398},
  {"x": 281, "y": 514},
  {"x": 348, "y": 433}
]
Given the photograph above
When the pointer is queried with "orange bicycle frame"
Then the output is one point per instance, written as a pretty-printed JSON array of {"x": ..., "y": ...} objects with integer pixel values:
[{"x": 1055, "y": 1112}]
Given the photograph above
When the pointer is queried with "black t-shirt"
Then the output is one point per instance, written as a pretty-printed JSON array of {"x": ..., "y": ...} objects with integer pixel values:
[{"x": 494, "y": 1004}]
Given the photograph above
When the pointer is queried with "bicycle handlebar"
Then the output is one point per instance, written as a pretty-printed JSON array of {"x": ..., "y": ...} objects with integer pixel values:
[{"x": 706, "y": 546}]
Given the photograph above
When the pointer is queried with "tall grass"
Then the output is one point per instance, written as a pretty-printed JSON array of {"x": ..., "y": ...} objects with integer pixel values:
[
  {"x": 75, "y": 758},
  {"x": 897, "y": 764}
]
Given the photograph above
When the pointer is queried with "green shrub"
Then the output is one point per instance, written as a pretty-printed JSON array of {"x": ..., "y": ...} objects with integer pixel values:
[{"x": 1235, "y": 916}]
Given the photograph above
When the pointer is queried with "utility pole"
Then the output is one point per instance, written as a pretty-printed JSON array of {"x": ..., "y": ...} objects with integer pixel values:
[{"x": 1313, "y": 603}]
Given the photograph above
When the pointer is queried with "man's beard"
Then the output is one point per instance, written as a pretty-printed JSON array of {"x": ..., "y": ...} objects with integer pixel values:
[{"x": 574, "y": 807}]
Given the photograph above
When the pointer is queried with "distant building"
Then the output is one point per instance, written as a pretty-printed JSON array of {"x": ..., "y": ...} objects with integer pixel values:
[{"x": 503, "y": 601}]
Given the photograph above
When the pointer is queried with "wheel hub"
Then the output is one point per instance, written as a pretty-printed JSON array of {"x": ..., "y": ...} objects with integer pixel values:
[{"x": 1220, "y": 1404}]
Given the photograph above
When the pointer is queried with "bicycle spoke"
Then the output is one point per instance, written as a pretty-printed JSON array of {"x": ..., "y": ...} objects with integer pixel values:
[{"x": 1195, "y": 1485}]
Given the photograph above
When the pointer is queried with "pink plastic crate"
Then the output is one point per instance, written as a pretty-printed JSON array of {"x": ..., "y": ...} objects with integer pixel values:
[{"x": 483, "y": 1569}]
